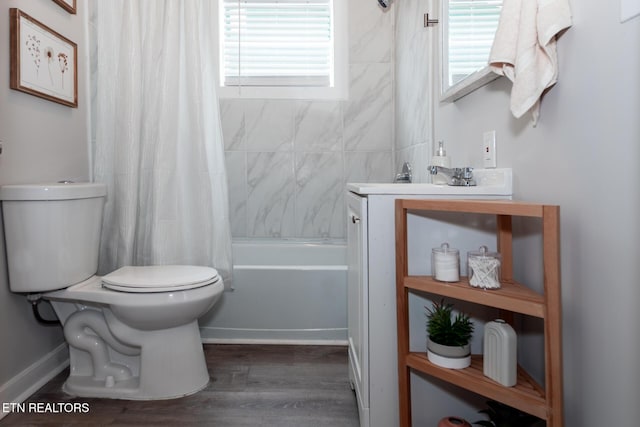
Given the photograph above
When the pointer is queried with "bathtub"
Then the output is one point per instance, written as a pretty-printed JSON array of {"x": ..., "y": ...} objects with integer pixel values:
[{"x": 284, "y": 292}]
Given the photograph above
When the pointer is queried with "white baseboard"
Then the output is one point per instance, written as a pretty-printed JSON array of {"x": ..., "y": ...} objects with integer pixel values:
[
  {"x": 19, "y": 388},
  {"x": 326, "y": 336},
  {"x": 272, "y": 341}
]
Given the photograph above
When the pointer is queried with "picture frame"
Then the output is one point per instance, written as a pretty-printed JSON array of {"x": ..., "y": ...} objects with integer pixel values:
[
  {"x": 68, "y": 5},
  {"x": 44, "y": 63}
]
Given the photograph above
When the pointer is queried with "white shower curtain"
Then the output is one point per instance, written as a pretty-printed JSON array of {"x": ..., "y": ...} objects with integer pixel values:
[{"x": 158, "y": 139}]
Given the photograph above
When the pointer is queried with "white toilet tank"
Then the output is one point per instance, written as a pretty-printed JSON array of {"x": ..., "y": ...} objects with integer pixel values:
[{"x": 52, "y": 233}]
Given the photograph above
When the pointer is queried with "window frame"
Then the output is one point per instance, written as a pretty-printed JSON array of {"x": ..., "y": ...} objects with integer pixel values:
[{"x": 473, "y": 81}]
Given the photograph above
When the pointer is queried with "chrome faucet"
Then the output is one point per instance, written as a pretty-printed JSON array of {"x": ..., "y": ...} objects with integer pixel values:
[
  {"x": 405, "y": 175},
  {"x": 459, "y": 177}
]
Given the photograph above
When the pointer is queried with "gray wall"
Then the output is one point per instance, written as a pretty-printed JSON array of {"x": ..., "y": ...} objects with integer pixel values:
[
  {"x": 42, "y": 141},
  {"x": 288, "y": 161},
  {"x": 583, "y": 155}
]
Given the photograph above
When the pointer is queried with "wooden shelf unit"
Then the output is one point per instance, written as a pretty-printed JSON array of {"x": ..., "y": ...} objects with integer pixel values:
[{"x": 527, "y": 396}]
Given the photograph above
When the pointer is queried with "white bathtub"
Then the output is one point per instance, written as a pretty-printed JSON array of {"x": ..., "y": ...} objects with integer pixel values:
[{"x": 284, "y": 292}]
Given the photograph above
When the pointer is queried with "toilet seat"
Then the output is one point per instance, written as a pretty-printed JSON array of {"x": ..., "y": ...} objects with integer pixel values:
[{"x": 159, "y": 278}]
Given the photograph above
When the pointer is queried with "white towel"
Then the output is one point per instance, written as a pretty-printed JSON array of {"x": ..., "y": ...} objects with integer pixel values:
[{"x": 524, "y": 49}]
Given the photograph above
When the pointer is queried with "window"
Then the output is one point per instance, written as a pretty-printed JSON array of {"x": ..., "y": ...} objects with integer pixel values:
[{"x": 282, "y": 48}]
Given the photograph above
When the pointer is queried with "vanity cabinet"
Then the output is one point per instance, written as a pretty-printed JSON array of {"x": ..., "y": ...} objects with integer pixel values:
[
  {"x": 527, "y": 395},
  {"x": 358, "y": 299}
]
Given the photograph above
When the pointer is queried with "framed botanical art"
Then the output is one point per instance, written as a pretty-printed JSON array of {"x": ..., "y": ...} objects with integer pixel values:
[
  {"x": 68, "y": 5},
  {"x": 43, "y": 62}
]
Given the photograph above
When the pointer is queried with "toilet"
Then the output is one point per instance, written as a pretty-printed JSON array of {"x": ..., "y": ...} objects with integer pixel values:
[{"x": 133, "y": 333}]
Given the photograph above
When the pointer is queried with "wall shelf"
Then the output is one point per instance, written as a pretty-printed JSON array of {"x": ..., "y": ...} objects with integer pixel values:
[
  {"x": 526, "y": 395},
  {"x": 513, "y": 297}
]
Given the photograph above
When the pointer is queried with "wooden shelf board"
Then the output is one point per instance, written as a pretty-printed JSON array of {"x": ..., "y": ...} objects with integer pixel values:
[
  {"x": 511, "y": 296},
  {"x": 526, "y": 395},
  {"x": 495, "y": 207}
]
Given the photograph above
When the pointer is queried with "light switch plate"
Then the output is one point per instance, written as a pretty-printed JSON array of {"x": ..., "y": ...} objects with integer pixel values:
[{"x": 489, "y": 149}]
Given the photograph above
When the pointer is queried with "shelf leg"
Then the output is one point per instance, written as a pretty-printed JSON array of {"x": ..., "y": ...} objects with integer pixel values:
[
  {"x": 402, "y": 312},
  {"x": 553, "y": 318}
]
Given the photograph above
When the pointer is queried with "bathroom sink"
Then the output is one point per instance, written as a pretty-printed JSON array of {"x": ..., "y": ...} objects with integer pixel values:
[{"x": 489, "y": 182}]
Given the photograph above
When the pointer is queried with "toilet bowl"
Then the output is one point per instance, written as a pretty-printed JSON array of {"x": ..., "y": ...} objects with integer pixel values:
[
  {"x": 132, "y": 333},
  {"x": 141, "y": 343}
]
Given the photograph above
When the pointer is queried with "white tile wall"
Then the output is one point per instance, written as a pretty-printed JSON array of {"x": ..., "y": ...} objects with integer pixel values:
[
  {"x": 368, "y": 117},
  {"x": 236, "y": 166},
  {"x": 232, "y": 115},
  {"x": 269, "y": 125},
  {"x": 289, "y": 160},
  {"x": 318, "y": 126},
  {"x": 415, "y": 47},
  {"x": 270, "y": 196},
  {"x": 319, "y": 195},
  {"x": 370, "y": 32}
]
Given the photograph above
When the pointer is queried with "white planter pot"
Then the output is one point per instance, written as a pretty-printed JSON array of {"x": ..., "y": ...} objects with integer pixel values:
[{"x": 447, "y": 356}]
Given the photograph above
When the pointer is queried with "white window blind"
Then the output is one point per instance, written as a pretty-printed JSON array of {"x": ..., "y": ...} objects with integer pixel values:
[
  {"x": 472, "y": 27},
  {"x": 277, "y": 43}
]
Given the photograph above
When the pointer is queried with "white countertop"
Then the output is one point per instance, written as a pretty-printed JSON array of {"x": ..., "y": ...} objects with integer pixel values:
[{"x": 498, "y": 182}]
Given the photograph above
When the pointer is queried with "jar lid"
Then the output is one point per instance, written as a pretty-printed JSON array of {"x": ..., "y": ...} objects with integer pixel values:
[
  {"x": 483, "y": 252},
  {"x": 445, "y": 249}
]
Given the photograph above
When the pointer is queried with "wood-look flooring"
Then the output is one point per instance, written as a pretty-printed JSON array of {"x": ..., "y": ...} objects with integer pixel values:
[{"x": 251, "y": 385}]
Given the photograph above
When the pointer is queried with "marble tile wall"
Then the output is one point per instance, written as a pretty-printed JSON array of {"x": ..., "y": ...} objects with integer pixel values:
[
  {"x": 288, "y": 160},
  {"x": 414, "y": 48}
]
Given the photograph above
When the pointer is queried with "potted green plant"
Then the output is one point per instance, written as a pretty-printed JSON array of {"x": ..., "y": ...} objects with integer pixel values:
[
  {"x": 501, "y": 415},
  {"x": 448, "y": 336}
]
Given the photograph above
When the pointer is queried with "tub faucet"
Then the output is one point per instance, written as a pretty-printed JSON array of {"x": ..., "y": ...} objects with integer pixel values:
[
  {"x": 459, "y": 177},
  {"x": 405, "y": 175}
]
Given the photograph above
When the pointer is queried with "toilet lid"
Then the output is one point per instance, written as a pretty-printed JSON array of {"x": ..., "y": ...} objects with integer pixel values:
[{"x": 159, "y": 278}]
